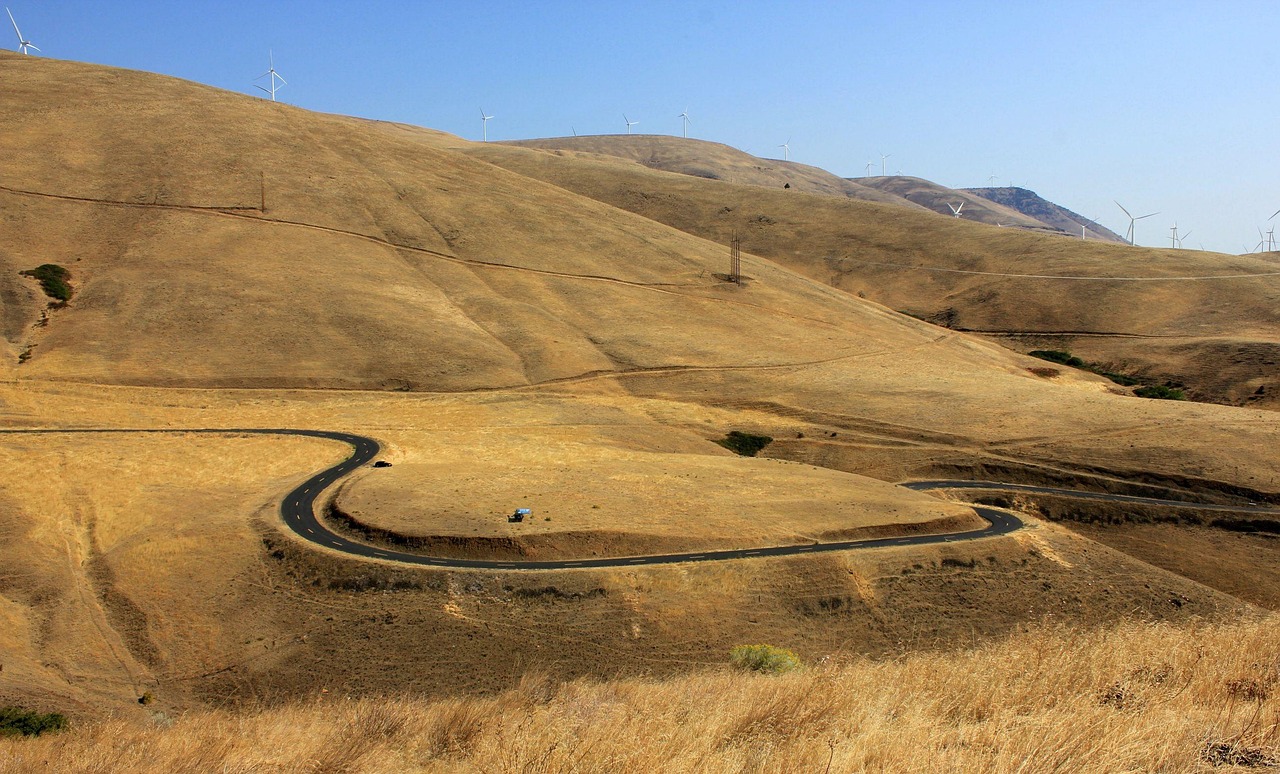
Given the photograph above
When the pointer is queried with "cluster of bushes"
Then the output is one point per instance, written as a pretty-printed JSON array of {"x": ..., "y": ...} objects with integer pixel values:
[
  {"x": 16, "y": 721},
  {"x": 1162, "y": 391},
  {"x": 53, "y": 280},
  {"x": 746, "y": 444},
  {"x": 764, "y": 658}
]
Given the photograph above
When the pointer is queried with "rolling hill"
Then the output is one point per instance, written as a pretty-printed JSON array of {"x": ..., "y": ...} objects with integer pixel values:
[
  {"x": 1206, "y": 321},
  {"x": 542, "y": 328}
]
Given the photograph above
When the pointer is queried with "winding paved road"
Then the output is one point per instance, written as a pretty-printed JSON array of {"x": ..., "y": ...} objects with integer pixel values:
[{"x": 298, "y": 512}]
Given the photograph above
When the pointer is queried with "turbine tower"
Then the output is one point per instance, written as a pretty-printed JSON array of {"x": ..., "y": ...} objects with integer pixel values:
[
  {"x": 684, "y": 123},
  {"x": 274, "y": 76},
  {"x": 630, "y": 123},
  {"x": 1132, "y": 220},
  {"x": 786, "y": 150},
  {"x": 23, "y": 43},
  {"x": 1084, "y": 227},
  {"x": 955, "y": 211},
  {"x": 484, "y": 126},
  {"x": 883, "y": 156}
]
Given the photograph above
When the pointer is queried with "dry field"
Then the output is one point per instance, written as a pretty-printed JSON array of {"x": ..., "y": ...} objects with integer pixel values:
[
  {"x": 1137, "y": 697},
  {"x": 512, "y": 343},
  {"x": 1219, "y": 337}
]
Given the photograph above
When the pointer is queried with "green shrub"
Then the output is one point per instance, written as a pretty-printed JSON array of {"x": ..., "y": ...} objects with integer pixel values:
[
  {"x": 764, "y": 658},
  {"x": 16, "y": 721},
  {"x": 53, "y": 279},
  {"x": 1160, "y": 392},
  {"x": 1058, "y": 356},
  {"x": 744, "y": 443}
]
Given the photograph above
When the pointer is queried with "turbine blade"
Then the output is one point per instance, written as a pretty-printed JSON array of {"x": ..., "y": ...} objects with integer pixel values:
[
  {"x": 282, "y": 80},
  {"x": 1277, "y": 212},
  {"x": 256, "y": 86},
  {"x": 264, "y": 75},
  {"x": 15, "y": 24},
  {"x": 1152, "y": 215},
  {"x": 32, "y": 45},
  {"x": 1121, "y": 206}
]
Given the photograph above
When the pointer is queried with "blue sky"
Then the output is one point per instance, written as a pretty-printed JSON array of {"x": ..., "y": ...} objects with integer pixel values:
[{"x": 1167, "y": 107}]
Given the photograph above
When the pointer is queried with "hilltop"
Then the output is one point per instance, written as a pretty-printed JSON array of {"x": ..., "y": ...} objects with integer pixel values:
[
  {"x": 551, "y": 329},
  {"x": 1053, "y": 215}
]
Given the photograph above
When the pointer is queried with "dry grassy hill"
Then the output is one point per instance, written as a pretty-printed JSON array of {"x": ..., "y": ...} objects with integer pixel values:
[
  {"x": 935, "y": 197},
  {"x": 1208, "y": 321},
  {"x": 508, "y": 340},
  {"x": 1052, "y": 215},
  {"x": 715, "y": 161}
]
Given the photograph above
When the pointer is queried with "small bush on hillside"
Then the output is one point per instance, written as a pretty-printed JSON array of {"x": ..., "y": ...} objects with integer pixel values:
[
  {"x": 1160, "y": 392},
  {"x": 1058, "y": 356},
  {"x": 764, "y": 658},
  {"x": 53, "y": 280},
  {"x": 744, "y": 443},
  {"x": 16, "y": 721}
]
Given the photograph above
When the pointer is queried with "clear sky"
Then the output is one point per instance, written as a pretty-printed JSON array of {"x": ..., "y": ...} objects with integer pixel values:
[{"x": 1165, "y": 106}]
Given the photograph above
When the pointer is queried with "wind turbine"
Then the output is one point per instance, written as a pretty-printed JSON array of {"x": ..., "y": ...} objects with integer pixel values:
[
  {"x": 684, "y": 123},
  {"x": 992, "y": 180},
  {"x": 630, "y": 123},
  {"x": 1084, "y": 227},
  {"x": 786, "y": 150},
  {"x": 484, "y": 126},
  {"x": 883, "y": 156},
  {"x": 23, "y": 43},
  {"x": 1132, "y": 221},
  {"x": 870, "y": 164},
  {"x": 274, "y": 75},
  {"x": 1184, "y": 236},
  {"x": 955, "y": 211}
]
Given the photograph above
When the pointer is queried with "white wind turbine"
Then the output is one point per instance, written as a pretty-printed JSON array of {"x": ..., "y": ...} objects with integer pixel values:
[
  {"x": 955, "y": 211},
  {"x": 274, "y": 75},
  {"x": 23, "y": 43},
  {"x": 991, "y": 181},
  {"x": 484, "y": 126},
  {"x": 684, "y": 123},
  {"x": 1132, "y": 220},
  {"x": 786, "y": 150},
  {"x": 870, "y": 164},
  {"x": 1182, "y": 237},
  {"x": 1084, "y": 227},
  {"x": 883, "y": 157},
  {"x": 630, "y": 123}
]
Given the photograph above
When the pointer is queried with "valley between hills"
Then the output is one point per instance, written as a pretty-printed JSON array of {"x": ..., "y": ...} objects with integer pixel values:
[{"x": 548, "y": 325}]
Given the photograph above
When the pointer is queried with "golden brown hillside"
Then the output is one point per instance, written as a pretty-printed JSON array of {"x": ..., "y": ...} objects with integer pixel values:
[
  {"x": 509, "y": 342},
  {"x": 1206, "y": 320}
]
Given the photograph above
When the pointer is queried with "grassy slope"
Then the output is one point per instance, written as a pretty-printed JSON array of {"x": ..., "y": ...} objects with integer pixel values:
[
  {"x": 1142, "y": 697},
  {"x": 387, "y": 258},
  {"x": 1222, "y": 337}
]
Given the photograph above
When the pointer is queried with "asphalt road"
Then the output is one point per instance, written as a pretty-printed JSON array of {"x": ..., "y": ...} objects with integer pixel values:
[{"x": 298, "y": 512}]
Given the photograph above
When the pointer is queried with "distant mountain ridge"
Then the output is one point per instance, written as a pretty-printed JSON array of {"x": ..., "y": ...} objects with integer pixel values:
[{"x": 1054, "y": 216}]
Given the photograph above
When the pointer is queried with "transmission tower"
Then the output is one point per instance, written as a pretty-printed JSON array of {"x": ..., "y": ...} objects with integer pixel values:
[{"x": 735, "y": 259}]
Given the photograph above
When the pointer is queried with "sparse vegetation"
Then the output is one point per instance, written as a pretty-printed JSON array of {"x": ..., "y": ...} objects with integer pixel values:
[
  {"x": 746, "y": 444},
  {"x": 1058, "y": 356},
  {"x": 1160, "y": 392},
  {"x": 764, "y": 658},
  {"x": 16, "y": 721},
  {"x": 1068, "y": 359},
  {"x": 53, "y": 280}
]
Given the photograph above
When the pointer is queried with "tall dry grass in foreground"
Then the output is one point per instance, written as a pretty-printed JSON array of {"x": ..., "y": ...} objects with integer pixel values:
[{"x": 1139, "y": 697}]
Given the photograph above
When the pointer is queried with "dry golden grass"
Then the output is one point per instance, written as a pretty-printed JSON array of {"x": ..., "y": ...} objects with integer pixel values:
[
  {"x": 1136, "y": 697},
  {"x": 1221, "y": 337}
]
